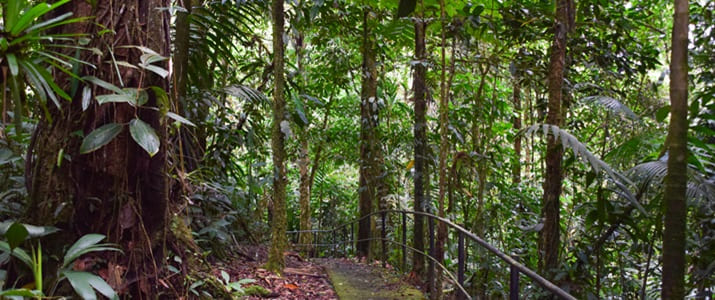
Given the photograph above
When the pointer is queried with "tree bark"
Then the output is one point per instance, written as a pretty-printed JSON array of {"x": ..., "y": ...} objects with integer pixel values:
[
  {"x": 420, "y": 147},
  {"x": 549, "y": 236},
  {"x": 304, "y": 190},
  {"x": 674, "y": 195},
  {"x": 368, "y": 137},
  {"x": 516, "y": 168},
  {"x": 443, "y": 151},
  {"x": 118, "y": 190},
  {"x": 279, "y": 242}
]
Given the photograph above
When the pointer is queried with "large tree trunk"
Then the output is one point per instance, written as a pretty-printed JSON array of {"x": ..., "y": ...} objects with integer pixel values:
[
  {"x": 549, "y": 236},
  {"x": 368, "y": 137},
  {"x": 420, "y": 148},
  {"x": 118, "y": 190},
  {"x": 279, "y": 241},
  {"x": 676, "y": 179}
]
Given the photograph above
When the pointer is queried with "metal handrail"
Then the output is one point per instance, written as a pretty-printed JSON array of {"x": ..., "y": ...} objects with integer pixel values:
[{"x": 515, "y": 266}]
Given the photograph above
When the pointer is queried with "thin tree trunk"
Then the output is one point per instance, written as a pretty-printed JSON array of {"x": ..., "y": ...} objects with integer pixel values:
[
  {"x": 443, "y": 151},
  {"x": 304, "y": 190},
  {"x": 549, "y": 236},
  {"x": 276, "y": 262},
  {"x": 516, "y": 168},
  {"x": 420, "y": 147},
  {"x": 368, "y": 140},
  {"x": 676, "y": 179}
]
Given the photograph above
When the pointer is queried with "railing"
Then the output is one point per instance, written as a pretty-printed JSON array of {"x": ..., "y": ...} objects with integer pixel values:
[{"x": 347, "y": 232}]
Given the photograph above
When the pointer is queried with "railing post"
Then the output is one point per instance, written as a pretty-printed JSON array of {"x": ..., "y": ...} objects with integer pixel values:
[
  {"x": 384, "y": 239},
  {"x": 334, "y": 243},
  {"x": 461, "y": 264},
  {"x": 404, "y": 241},
  {"x": 513, "y": 282},
  {"x": 352, "y": 237},
  {"x": 431, "y": 271},
  {"x": 345, "y": 242}
]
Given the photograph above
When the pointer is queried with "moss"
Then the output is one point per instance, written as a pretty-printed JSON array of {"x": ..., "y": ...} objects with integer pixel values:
[
  {"x": 350, "y": 285},
  {"x": 256, "y": 290}
]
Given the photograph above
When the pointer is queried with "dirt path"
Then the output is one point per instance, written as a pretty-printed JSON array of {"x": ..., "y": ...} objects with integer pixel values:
[{"x": 357, "y": 281}]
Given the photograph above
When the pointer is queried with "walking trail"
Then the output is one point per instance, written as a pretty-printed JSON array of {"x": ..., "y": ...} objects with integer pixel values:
[{"x": 358, "y": 281}]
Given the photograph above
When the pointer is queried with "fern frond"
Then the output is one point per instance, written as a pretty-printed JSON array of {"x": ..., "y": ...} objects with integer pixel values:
[{"x": 613, "y": 105}]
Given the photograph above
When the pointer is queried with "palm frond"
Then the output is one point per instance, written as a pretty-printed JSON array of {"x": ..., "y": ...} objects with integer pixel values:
[
  {"x": 568, "y": 141},
  {"x": 247, "y": 94},
  {"x": 613, "y": 105}
]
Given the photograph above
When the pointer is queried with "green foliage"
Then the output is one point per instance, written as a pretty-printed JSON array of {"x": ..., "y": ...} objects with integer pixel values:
[{"x": 84, "y": 283}]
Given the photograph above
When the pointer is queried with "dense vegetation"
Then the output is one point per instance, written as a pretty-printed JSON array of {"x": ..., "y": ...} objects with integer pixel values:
[{"x": 578, "y": 136}]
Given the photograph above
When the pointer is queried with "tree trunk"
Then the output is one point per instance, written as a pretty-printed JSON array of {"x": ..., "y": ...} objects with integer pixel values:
[
  {"x": 516, "y": 168},
  {"x": 276, "y": 262},
  {"x": 443, "y": 151},
  {"x": 676, "y": 179},
  {"x": 549, "y": 236},
  {"x": 304, "y": 190},
  {"x": 368, "y": 137},
  {"x": 420, "y": 148},
  {"x": 118, "y": 190}
]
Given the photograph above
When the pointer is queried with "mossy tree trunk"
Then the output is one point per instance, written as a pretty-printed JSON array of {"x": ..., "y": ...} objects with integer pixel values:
[
  {"x": 118, "y": 190},
  {"x": 676, "y": 209},
  {"x": 279, "y": 241}
]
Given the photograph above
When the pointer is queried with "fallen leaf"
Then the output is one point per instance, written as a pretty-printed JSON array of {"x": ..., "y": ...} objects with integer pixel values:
[{"x": 290, "y": 286}]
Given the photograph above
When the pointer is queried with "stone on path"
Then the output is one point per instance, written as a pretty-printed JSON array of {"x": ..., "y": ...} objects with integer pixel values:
[{"x": 352, "y": 280}]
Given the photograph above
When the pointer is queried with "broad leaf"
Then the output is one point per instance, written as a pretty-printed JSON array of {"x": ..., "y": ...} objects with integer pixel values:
[
  {"x": 81, "y": 285},
  {"x": 179, "y": 119},
  {"x": 16, "y": 234},
  {"x": 100, "y": 137},
  {"x": 145, "y": 136},
  {"x": 85, "y": 244},
  {"x": 85, "y": 280}
]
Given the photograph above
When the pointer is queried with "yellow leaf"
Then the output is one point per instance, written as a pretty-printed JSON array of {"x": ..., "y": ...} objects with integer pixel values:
[{"x": 410, "y": 164}]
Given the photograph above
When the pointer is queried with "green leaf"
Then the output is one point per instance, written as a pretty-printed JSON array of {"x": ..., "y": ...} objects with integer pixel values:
[
  {"x": 34, "y": 13},
  {"x": 662, "y": 113},
  {"x": 93, "y": 281},
  {"x": 179, "y": 119},
  {"x": 406, "y": 7},
  {"x": 16, "y": 234},
  {"x": 81, "y": 246},
  {"x": 17, "y": 253},
  {"x": 86, "y": 97},
  {"x": 103, "y": 84},
  {"x": 32, "y": 230},
  {"x": 81, "y": 285},
  {"x": 21, "y": 293},
  {"x": 115, "y": 98},
  {"x": 100, "y": 137},
  {"x": 158, "y": 70},
  {"x": 145, "y": 136},
  {"x": 12, "y": 63}
]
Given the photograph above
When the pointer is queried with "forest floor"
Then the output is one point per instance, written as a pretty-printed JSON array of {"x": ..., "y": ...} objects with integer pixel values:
[{"x": 319, "y": 278}]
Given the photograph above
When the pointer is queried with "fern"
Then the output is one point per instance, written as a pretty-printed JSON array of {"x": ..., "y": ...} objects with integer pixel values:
[
  {"x": 652, "y": 174},
  {"x": 568, "y": 141},
  {"x": 612, "y": 105}
]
